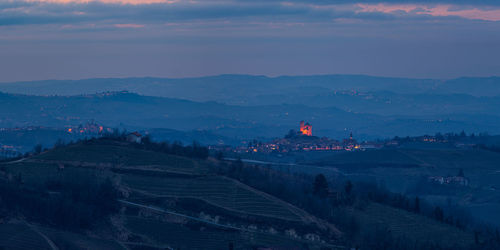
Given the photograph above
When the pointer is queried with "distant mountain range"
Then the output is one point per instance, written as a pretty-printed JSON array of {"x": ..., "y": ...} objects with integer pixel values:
[
  {"x": 352, "y": 93},
  {"x": 234, "y": 87}
]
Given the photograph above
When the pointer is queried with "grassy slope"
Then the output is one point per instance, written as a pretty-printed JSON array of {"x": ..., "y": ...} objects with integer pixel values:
[
  {"x": 414, "y": 227},
  {"x": 21, "y": 236},
  {"x": 191, "y": 180},
  {"x": 118, "y": 155},
  {"x": 182, "y": 237}
]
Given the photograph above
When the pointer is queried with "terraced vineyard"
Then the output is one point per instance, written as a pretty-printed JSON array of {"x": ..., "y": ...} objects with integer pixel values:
[
  {"x": 181, "y": 237},
  {"x": 20, "y": 236},
  {"x": 412, "y": 226},
  {"x": 67, "y": 240},
  {"x": 219, "y": 191}
]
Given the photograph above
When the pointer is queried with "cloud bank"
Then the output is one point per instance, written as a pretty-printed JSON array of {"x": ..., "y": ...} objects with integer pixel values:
[{"x": 143, "y": 12}]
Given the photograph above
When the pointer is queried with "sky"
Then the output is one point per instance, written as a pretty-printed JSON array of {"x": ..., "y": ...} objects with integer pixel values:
[{"x": 76, "y": 39}]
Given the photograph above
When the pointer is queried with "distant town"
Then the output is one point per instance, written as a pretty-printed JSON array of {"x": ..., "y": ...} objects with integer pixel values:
[
  {"x": 301, "y": 139},
  {"x": 304, "y": 140}
]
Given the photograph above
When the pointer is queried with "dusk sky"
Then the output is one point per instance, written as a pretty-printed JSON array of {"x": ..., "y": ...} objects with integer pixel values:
[{"x": 74, "y": 39}]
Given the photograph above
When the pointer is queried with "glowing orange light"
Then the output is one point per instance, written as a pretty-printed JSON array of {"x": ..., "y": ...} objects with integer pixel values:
[{"x": 305, "y": 129}]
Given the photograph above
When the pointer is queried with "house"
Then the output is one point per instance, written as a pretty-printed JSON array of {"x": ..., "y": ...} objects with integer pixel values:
[
  {"x": 457, "y": 180},
  {"x": 450, "y": 180},
  {"x": 134, "y": 137}
]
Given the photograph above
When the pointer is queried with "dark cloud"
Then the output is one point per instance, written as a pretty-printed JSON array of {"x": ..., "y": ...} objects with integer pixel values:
[
  {"x": 44, "y": 13},
  {"x": 330, "y": 2},
  {"x": 24, "y": 13}
]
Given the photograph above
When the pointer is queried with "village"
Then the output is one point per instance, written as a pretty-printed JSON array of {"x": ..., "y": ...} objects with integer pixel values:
[{"x": 303, "y": 140}]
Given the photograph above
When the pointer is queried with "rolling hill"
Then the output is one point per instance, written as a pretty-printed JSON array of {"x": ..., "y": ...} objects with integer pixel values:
[
  {"x": 205, "y": 204},
  {"x": 221, "y": 121},
  {"x": 178, "y": 202}
]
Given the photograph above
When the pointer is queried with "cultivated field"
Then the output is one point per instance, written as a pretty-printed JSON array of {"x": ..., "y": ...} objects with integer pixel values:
[
  {"x": 219, "y": 191},
  {"x": 21, "y": 236},
  {"x": 184, "y": 237},
  {"x": 412, "y": 226}
]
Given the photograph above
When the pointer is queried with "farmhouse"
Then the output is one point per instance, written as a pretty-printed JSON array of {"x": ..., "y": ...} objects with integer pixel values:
[
  {"x": 450, "y": 180},
  {"x": 134, "y": 137}
]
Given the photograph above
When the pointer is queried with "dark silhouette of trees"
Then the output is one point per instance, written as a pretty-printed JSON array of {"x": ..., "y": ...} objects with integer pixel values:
[
  {"x": 195, "y": 150},
  {"x": 417, "y": 205},
  {"x": 37, "y": 149},
  {"x": 320, "y": 186},
  {"x": 439, "y": 214},
  {"x": 291, "y": 134},
  {"x": 219, "y": 155},
  {"x": 348, "y": 187},
  {"x": 73, "y": 204}
]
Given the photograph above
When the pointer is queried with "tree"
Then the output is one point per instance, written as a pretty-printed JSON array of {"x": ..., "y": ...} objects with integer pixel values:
[
  {"x": 320, "y": 186},
  {"x": 462, "y": 134},
  {"x": 291, "y": 134},
  {"x": 219, "y": 155},
  {"x": 37, "y": 149},
  {"x": 348, "y": 187},
  {"x": 59, "y": 143},
  {"x": 438, "y": 214},
  {"x": 146, "y": 140},
  {"x": 417, "y": 205}
]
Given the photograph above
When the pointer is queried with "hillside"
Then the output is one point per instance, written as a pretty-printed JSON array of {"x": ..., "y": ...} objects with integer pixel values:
[
  {"x": 165, "y": 193},
  {"x": 167, "y": 199},
  {"x": 405, "y": 170}
]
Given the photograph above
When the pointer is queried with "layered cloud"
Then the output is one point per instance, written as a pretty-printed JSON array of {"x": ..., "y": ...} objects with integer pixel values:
[
  {"x": 143, "y": 12},
  {"x": 437, "y": 10}
]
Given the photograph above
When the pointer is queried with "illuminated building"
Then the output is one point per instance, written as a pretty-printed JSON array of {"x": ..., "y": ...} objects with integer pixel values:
[{"x": 305, "y": 129}]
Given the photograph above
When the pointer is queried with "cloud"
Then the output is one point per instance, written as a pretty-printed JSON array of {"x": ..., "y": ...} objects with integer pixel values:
[
  {"x": 142, "y": 12},
  {"x": 441, "y": 10},
  {"x": 129, "y": 25},
  {"x": 133, "y": 2}
]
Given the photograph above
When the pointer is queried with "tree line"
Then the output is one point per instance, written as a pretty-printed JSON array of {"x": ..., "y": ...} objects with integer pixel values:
[{"x": 74, "y": 204}]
